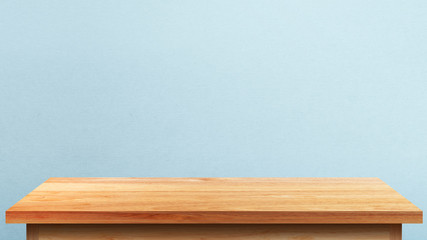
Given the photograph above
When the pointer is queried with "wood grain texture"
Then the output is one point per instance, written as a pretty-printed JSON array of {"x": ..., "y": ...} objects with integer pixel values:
[
  {"x": 214, "y": 200},
  {"x": 214, "y": 232},
  {"x": 32, "y": 232}
]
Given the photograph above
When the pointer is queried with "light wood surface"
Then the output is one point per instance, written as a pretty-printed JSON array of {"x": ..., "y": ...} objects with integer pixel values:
[
  {"x": 216, "y": 232},
  {"x": 214, "y": 200}
]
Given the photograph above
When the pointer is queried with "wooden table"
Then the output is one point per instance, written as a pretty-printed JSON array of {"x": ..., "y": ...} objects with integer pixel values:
[{"x": 214, "y": 208}]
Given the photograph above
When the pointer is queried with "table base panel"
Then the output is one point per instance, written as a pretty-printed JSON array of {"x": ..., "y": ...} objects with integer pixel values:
[{"x": 214, "y": 231}]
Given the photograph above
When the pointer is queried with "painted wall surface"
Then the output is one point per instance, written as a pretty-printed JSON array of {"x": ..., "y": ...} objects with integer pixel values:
[{"x": 213, "y": 89}]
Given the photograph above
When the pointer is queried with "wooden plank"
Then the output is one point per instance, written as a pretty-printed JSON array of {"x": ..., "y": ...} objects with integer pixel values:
[
  {"x": 32, "y": 232},
  {"x": 215, "y": 232},
  {"x": 212, "y": 217},
  {"x": 214, "y": 200},
  {"x": 396, "y": 232},
  {"x": 208, "y": 201}
]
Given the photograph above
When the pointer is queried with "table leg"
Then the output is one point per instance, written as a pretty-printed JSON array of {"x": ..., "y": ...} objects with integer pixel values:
[{"x": 32, "y": 232}]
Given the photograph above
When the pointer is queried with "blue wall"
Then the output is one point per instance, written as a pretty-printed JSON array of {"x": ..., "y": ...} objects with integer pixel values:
[{"x": 213, "y": 88}]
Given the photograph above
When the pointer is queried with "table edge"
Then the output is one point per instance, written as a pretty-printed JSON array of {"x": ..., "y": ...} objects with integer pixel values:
[{"x": 211, "y": 217}]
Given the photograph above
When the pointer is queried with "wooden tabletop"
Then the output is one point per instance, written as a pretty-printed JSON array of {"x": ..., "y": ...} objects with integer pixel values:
[{"x": 214, "y": 200}]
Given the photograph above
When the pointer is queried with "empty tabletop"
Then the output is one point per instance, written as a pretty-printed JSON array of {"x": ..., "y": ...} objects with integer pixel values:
[{"x": 214, "y": 200}]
